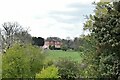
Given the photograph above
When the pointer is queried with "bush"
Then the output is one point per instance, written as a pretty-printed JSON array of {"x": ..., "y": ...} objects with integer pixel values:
[
  {"x": 22, "y": 61},
  {"x": 51, "y": 47},
  {"x": 48, "y": 62},
  {"x": 67, "y": 69},
  {"x": 49, "y": 72},
  {"x": 64, "y": 47},
  {"x": 90, "y": 60},
  {"x": 88, "y": 66}
]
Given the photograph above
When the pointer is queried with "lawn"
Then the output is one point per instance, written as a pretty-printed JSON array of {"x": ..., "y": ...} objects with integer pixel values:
[{"x": 57, "y": 54}]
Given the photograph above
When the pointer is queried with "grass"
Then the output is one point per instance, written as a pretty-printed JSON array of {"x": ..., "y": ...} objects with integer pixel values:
[{"x": 57, "y": 54}]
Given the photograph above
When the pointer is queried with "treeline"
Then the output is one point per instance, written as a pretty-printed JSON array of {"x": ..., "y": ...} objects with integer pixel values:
[
  {"x": 74, "y": 44},
  {"x": 68, "y": 44}
]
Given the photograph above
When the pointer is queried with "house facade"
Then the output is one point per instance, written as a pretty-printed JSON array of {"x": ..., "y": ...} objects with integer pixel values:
[{"x": 56, "y": 43}]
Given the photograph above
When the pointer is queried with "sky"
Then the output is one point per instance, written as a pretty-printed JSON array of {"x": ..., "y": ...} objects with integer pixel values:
[{"x": 45, "y": 18}]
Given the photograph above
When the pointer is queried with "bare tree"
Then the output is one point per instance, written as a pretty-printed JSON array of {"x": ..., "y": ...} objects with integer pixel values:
[{"x": 14, "y": 33}]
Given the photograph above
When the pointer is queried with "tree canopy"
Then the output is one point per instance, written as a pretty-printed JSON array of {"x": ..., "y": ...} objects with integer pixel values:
[
  {"x": 39, "y": 41},
  {"x": 104, "y": 25}
]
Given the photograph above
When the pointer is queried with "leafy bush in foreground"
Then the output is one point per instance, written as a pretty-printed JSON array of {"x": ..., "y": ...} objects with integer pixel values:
[
  {"x": 22, "y": 61},
  {"x": 67, "y": 69},
  {"x": 49, "y": 72}
]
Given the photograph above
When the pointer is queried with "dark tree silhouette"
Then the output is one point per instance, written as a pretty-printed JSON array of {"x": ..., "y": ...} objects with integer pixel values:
[{"x": 39, "y": 41}]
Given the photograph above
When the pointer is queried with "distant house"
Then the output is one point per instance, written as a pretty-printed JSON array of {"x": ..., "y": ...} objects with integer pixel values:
[{"x": 52, "y": 42}]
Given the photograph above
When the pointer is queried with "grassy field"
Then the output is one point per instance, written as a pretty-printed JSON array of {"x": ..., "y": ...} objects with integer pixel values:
[{"x": 57, "y": 54}]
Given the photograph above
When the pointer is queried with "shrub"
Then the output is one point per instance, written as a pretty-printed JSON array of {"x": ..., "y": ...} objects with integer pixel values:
[
  {"x": 22, "y": 61},
  {"x": 88, "y": 66},
  {"x": 49, "y": 72},
  {"x": 64, "y": 47},
  {"x": 67, "y": 69},
  {"x": 51, "y": 47},
  {"x": 48, "y": 62}
]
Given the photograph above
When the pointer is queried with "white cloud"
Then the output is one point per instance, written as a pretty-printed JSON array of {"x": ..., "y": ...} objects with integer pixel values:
[{"x": 36, "y": 15}]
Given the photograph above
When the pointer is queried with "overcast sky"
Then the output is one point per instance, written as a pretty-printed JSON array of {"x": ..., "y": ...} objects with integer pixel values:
[{"x": 60, "y": 18}]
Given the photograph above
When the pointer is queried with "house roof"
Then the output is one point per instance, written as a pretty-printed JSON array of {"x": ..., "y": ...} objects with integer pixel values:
[{"x": 53, "y": 39}]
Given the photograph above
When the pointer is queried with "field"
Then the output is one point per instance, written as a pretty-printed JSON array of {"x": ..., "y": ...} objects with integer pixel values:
[{"x": 57, "y": 54}]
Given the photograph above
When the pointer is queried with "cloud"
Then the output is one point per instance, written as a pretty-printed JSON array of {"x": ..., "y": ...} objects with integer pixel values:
[
  {"x": 75, "y": 14},
  {"x": 60, "y": 18}
]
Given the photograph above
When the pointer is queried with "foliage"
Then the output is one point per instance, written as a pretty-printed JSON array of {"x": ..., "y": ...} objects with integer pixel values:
[
  {"x": 48, "y": 62},
  {"x": 51, "y": 47},
  {"x": 104, "y": 26},
  {"x": 67, "y": 69},
  {"x": 22, "y": 61},
  {"x": 49, "y": 72},
  {"x": 77, "y": 44},
  {"x": 82, "y": 43},
  {"x": 38, "y": 41},
  {"x": 88, "y": 65},
  {"x": 64, "y": 47},
  {"x": 67, "y": 44},
  {"x": 109, "y": 65}
]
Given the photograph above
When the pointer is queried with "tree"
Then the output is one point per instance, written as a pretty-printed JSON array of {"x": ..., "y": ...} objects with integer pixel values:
[
  {"x": 104, "y": 26},
  {"x": 38, "y": 41},
  {"x": 52, "y": 47},
  {"x": 14, "y": 33},
  {"x": 76, "y": 44},
  {"x": 64, "y": 47}
]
